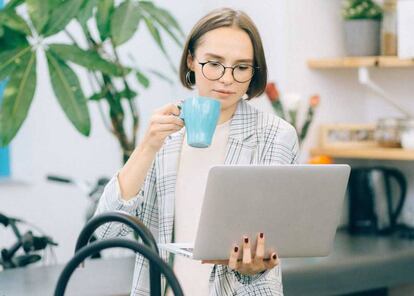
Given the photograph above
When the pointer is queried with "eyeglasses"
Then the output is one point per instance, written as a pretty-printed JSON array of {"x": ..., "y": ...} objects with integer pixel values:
[{"x": 213, "y": 70}]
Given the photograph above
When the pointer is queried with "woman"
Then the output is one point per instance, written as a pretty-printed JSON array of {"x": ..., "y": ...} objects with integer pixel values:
[{"x": 223, "y": 58}]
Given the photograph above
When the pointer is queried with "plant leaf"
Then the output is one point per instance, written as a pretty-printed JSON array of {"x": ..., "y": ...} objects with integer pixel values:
[
  {"x": 12, "y": 20},
  {"x": 164, "y": 19},
  {"x": 38, "y": 12},
  {"x": 155, "y": 33},
  {"x": 97, "y": 96},
  {"x": 12, "y": 39},
  {"x": 127, "y": 94},
  {"x": 86, "y": 58},
  {"x": 6, "y": 71},
  {"x": 170, "y": 19},
  {"x": 103, "y": 17},
  {"x": 157, "y": 37},
  {"x": 52, "y": 4},
  {"x": 67, "y": 89},
  {"x": 61, "y": 15},
  {"x": 17, "y": 98},
  {"x": 14, "y": 3},
  {"x": 124, "y": 22},
  {"x": 161, "y": 76},
  {"x": 86, "y": 11},
  {"x": 142, "y": 79},
  {"x": 10, "y": 59}
]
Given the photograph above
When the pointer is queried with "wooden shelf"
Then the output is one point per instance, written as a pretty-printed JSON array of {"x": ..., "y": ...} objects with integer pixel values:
[
  {"x": 367, "y": 153},
  {"x": 356, "y": 62}
]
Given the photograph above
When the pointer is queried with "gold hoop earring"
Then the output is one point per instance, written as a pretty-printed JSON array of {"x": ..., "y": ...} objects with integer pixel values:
[{"x": 188, "y": 78}]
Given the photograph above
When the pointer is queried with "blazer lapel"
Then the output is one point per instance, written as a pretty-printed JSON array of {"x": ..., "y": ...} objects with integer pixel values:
[{"x": 242, "y": 140}]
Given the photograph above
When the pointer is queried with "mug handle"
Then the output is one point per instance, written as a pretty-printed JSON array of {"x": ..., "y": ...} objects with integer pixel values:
[{"x": 181, "y": 107}]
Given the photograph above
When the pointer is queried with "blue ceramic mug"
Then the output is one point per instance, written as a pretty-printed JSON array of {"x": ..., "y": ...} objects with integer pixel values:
[{"x": 200, "y": 115}]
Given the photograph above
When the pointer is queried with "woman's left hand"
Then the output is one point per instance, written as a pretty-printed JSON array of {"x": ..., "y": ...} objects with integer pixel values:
[{"x": 249, "y": 265}]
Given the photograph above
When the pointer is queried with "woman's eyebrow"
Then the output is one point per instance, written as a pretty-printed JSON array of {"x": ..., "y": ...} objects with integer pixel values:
[{"x": 221, "y": 58}]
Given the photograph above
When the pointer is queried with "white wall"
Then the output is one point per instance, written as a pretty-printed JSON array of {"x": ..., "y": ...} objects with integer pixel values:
[
  {"x": 293, "y": 31},
  {"x": 314, "y": 29}
]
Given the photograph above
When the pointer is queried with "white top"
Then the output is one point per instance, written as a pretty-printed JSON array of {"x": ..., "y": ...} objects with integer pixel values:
[{"x": 192, "y": 175}]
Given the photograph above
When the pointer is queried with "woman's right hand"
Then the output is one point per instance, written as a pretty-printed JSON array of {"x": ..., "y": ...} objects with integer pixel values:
[{"x": 163, "y": 122}]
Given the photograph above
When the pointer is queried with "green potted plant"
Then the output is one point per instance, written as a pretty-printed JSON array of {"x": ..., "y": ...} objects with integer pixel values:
[
  {"x": 362, "y": 24},
  {"x": 26, "y": 28}
]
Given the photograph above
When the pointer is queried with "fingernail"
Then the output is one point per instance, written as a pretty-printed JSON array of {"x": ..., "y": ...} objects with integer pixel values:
[
  {"x": 261, "y": 234},
  {"x": 246, "y": 240},
  {"x": 236, "y": 249},
  {"x": 274, "y": 256}
]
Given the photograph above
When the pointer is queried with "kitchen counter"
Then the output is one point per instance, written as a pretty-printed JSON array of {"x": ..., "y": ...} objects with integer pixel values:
[{"x": 357, "y": 263}]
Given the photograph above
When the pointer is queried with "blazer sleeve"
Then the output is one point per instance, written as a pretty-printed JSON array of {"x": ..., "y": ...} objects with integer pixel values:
[
  {"x": 111, "y": 201},
  {"x": 225, "y": 281},
  {"x": 268, "y": 283}
]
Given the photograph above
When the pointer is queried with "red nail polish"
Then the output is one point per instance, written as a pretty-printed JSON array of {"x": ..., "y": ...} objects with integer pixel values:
[
  {"x": 236, "y": 249},
  {"x": 261, "y": 234},
  {"x": 274, "y": 256},
  {"x": 246, "y": 240}
]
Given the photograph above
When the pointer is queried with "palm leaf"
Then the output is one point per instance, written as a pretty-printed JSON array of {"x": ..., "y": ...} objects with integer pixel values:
[
  {"x": 61, "y": 15},
  {"x": 10, "y": 59},
  {"x": 103, "y": 16},
  {"x": 142, "y": 79},
  {"x": 87, "y": 58},
  {"x": 17, "y": 98},
  {"x": 164, "y": 19},
  {"x": 9, "y": 18},
  {"x": 124, "y": 22},
  {"x": 67, "y": 89},
  {"x": 86, "y": 11},
  {"x": 12, "y": 39},
  {"x": 157, "y": 37},
  {"x": 38, "y": 12},
  {"x": 161, "y": 76},
  {"x": 14, "y": 3}
]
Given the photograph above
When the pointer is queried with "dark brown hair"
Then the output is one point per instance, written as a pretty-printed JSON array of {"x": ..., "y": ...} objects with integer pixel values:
[{"x": 227, "y": 17}]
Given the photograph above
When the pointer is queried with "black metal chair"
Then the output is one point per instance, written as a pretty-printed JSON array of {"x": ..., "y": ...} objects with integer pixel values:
[
  {"x": 131, "y": 221},
  {"x": 140, "y": 229},
  {"x": 97, "y": 246}
]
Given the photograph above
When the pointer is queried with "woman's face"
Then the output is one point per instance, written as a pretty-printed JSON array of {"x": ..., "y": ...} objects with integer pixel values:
[{"x": 229, "y": 46}]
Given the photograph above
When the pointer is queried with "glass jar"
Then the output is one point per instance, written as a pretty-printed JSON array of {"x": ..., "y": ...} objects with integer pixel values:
[
  {"x": 387, "y": 132},
  {"x": 407, "y": 133},
  {"x": 389, "y": 28}
]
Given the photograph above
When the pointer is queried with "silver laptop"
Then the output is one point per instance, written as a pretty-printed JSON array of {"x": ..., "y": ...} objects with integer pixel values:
[{"x": 298, "y": 207}]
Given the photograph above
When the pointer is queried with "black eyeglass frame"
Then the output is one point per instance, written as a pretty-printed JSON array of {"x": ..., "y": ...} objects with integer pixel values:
[{"x": 224, "y": 71}]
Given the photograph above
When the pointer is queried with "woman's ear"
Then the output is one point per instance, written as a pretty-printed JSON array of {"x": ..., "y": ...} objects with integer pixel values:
[{"x": 190, "y": 61}]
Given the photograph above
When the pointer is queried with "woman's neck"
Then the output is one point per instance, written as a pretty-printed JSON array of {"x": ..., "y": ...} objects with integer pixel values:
[{"x": 227, "y": 114}]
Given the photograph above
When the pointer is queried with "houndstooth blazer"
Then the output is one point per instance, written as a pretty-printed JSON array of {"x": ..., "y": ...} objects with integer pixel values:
[{"x": 255, "y": 138}]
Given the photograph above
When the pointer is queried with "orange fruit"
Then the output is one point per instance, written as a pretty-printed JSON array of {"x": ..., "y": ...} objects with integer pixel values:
[{"x": 320, "y": 159}]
